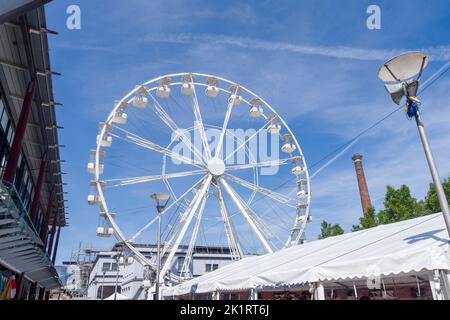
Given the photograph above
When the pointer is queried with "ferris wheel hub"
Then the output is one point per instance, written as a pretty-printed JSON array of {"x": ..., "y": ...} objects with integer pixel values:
[{"x": 216, "y": 166}]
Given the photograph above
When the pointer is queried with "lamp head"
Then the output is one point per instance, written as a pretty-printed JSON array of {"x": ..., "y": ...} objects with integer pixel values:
[{"x": 402, "y": 74}]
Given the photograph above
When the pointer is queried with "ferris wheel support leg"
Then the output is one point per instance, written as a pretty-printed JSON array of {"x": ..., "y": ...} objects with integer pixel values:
[
  {"x": 190, "y": 214},
  {"x": 244, "y": 212},
  {"x": 233, "y": 240}
]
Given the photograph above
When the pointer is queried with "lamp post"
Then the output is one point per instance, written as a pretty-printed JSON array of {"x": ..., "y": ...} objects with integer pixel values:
[
  {"x": 161, "y": 201},
  {"x": 103, "y": 284},
  {"x": 400, "y": 71},
  {"x": 117, "y": 274}
]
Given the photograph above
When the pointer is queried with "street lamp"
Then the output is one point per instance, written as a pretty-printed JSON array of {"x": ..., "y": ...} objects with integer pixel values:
[
  {"x": 161, "y": 201},
  {"x": 401, "y": 75}
]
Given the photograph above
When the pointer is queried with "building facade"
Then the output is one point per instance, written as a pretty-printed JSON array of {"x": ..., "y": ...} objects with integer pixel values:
[
  {"x": 111, "y": 274},
  {"x": 32, "y": 205}
]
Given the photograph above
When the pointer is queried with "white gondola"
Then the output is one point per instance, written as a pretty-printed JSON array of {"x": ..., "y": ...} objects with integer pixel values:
[
  {"x": 106, "y": 141},
  {"x": 91, "y": 168},
  {"x": 256, "y": 111},
  {"x": 211, "y": 91},
  {"x": 297, "y": 170},
  {"x": 104, "y": 232},
  {"x": 93, "y": 199},
  {"x": 140, "y": 101},
  {"x": 130, "y": 260},
  {"x": 302, "y": 194},
  {"x": 235, "y": 99},
  {"x": 303, "y": 241},
  {"x": 302, "y": 206},
  {"x": 301, "y": 219},
  {"x": 121, "y": 261},
  {"x": 187, "y": 88},
  {"x": 163, "y": 91},
  {"x": 120, "y": 116},
  {"x": 288, "y": 147},
  {"x": 274, "y": 128}
]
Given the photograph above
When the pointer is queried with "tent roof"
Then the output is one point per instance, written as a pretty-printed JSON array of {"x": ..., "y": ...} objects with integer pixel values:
[
  {"x": 411, "y": 246},
  {"x": 119, "y": 297}
]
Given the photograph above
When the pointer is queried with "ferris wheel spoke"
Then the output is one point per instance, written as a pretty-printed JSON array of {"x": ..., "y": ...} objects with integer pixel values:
[
  {"x": 145, "y": 227},
  {"x": 159, "y": 110},
  {"x": 199, "y": 120},
  {"x": 193, "y": 206},
  {"x": 271, "y": 194},
  {"x": 142, "y": 142},
  {"x": 225, "y": 124},
  {"x": 136, "y": 180},
  {"x": 270, "y": 163},
  {"x": 190, "y": 250},
  {"x": 233, "y": 241},
  {"x": 241, "y": 145},
  {"x": 246, "y": 213}
]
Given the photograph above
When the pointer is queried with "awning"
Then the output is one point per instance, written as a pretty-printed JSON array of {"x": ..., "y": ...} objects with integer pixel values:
[{"x": 406, "y": 247}]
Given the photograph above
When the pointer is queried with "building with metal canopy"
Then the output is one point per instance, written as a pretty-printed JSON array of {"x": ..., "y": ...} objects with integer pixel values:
[{"x": 32, "y": 205}]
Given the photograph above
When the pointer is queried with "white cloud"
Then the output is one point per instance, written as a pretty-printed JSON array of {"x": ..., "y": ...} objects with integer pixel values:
[{"x": 440, "y": 53}]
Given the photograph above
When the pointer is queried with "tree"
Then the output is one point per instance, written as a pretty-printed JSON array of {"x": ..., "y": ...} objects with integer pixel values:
[
  {"x": 431, "y": 202},
  {"x": 369, "y": 220},
  {"x": 329, "y": 230},
  {"x": 399, "y": 205}
]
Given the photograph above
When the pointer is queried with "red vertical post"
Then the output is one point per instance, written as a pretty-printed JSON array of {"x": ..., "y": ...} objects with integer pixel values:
[
  {"x": 44, "y": 228},
  {"x": 16, "y": 147},
  {"x": 37, "y": 193},
  {"x": 52, "y": 237},
  {"x": 55, "y": 250}
]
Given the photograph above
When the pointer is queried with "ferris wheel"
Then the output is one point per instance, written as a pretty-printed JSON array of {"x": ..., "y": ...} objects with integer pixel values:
[{"x": 234, "y": 171}]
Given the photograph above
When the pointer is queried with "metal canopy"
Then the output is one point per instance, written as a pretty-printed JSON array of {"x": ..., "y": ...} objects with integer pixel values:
[{"x": 403, "y": 67}]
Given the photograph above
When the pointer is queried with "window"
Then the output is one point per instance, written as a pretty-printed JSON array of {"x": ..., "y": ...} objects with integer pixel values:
[
  {"x": 211, "y": 267},
  {"x": 180, "y": 263},
  {"x": 114, "y": 267},
  {"x": 106, "y": 266}
]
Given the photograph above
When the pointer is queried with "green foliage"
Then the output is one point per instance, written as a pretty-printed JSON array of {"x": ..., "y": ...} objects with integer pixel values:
[
  {"x": 368, "y": 221},
  {"x": 431, "y": 202},
  {"x": 399, "y": 205},
  {"x": 329, "y": 230}
]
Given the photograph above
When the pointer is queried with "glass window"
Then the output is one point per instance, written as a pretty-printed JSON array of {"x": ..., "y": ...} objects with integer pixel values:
[
  {"x": 10, "y": 135},
  {"x": 106, "y": 266},
  {"x": 114, "y": 267},
  {"x": 215, "y": 266},
  {"x": 208, "y": 267},
  {"x": 180, "y": 263}
]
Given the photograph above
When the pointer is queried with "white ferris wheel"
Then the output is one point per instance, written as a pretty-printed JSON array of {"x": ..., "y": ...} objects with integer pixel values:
[{"x": 219, "y": 150}]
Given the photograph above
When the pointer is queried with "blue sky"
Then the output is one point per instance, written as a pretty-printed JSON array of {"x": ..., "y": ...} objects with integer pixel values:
[{"x": 314, "y": 61}]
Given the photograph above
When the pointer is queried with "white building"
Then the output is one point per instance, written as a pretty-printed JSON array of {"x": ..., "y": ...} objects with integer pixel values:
[{"x": 107, "y": 274}]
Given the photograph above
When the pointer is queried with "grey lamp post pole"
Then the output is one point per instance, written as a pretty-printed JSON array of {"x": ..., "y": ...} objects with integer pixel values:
[
  {"x": 434, "y": 172},
  {"x": 103, "y": 285},
  {"x": 160, "y": 208},
  {"x": 117, "y": 276}
]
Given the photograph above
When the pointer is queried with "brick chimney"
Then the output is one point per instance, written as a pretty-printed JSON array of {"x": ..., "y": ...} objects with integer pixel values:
[{"x": 362, "y": 184}]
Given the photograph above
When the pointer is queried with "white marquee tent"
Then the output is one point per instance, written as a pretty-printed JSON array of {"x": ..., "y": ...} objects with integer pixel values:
[{"x": 416, "y": 246}]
